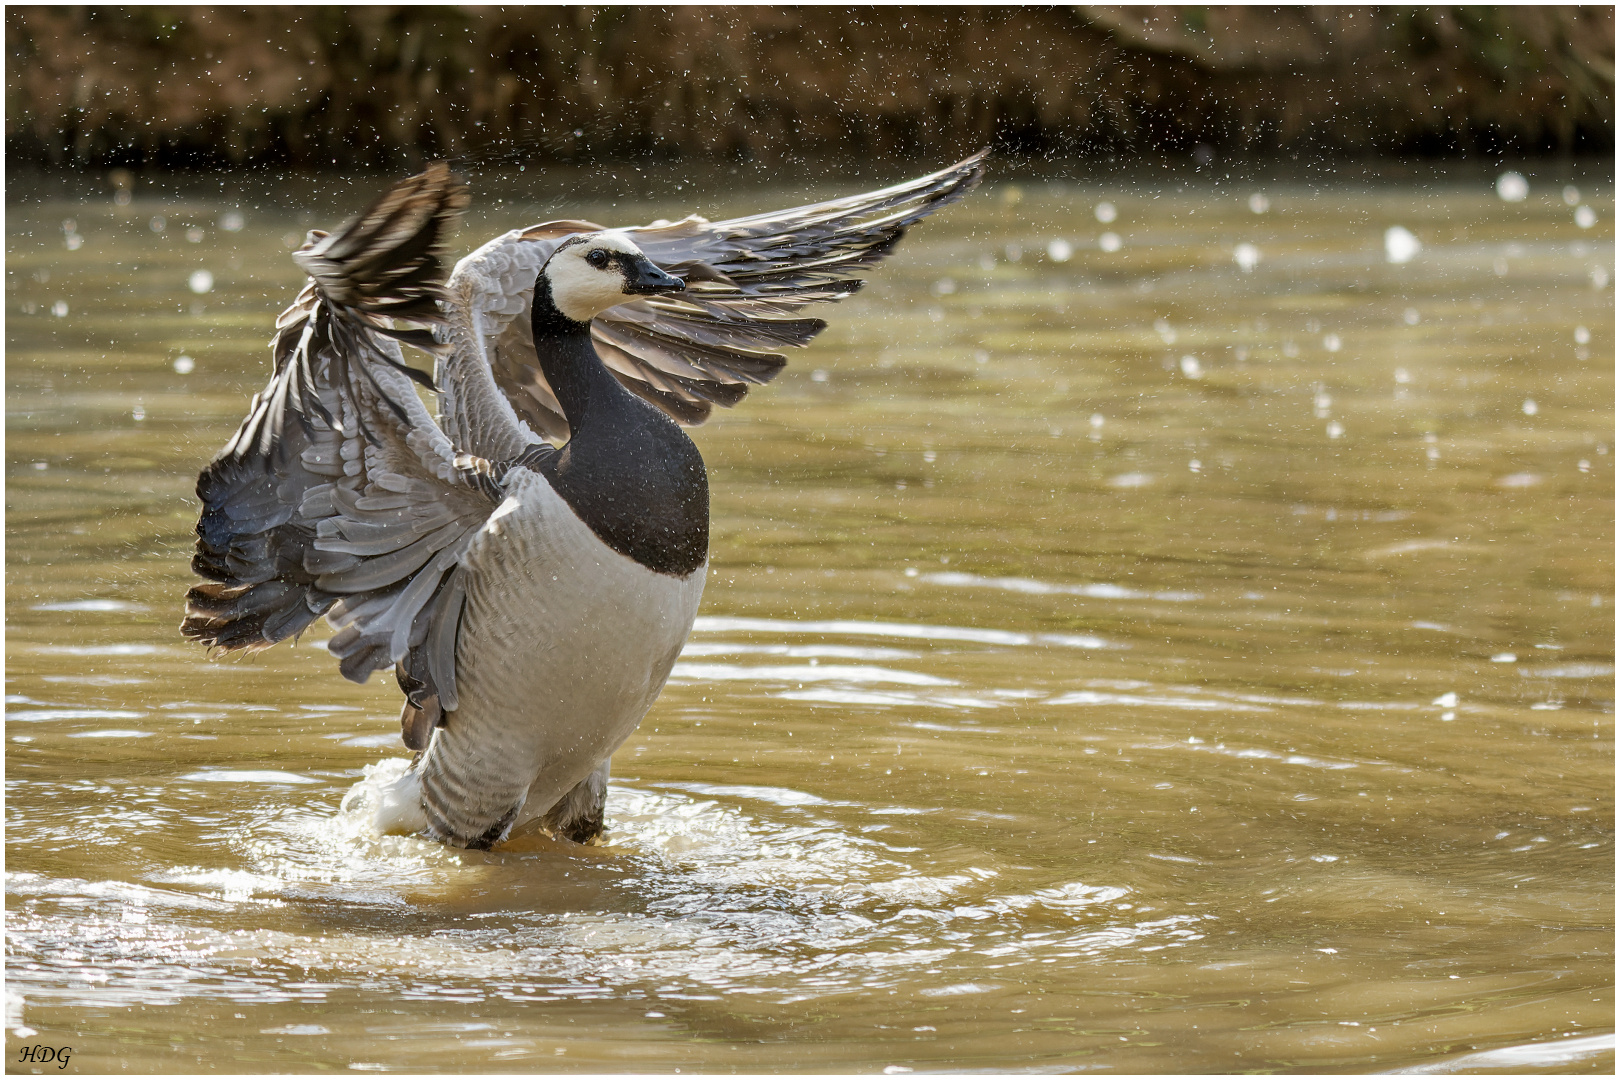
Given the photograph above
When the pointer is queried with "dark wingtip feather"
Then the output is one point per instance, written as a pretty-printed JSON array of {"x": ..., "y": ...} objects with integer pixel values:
[{"x": 748, "y": 278}]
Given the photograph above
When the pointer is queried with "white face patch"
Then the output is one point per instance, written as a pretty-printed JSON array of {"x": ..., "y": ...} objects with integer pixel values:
[{"x": 582, "y": 291}]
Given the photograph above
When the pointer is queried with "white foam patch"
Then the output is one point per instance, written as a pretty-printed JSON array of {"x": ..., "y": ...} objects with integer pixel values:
[
  {"x": 246, "y": 776},
  {"x": 837, "y": 652},
  {"x": 73, "y": 714},
  {"x": 388, "y": 798},
  {"x": 720, "y": 624},
  {"x": 1034, "y": 587},
  {"x": 803, "y": 673},
  {"x": 90, "y": 605},
  {"x": 1537, "y": 1056},
  {"x": 1568, "y": 671},
  {"x": 1162, "y": 701},
  {"x": 835, "y": 696}
]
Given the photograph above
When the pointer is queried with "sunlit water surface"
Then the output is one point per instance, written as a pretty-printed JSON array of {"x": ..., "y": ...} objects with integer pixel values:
[{"x": 1114, "y": 659}]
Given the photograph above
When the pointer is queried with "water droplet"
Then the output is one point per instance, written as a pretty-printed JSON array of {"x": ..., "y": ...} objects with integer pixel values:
[
  {"x": 1504, "y": 658},
  {"x": 1191, "y": 368},
  {"x": 1060, "y": 251},
  {"x": 1166, "y": 333},
  {"x": 1258, "y": 203},
  {"x": 944, "y": 287},
  {"x": 1097, "y": 420},
  {"x": 819, "y": 375},
  {"x": 1014, "y": 252},
  {"x": 184, "y": 365},
  {"x": 1530, "y": 408},
  {"x": 138, "y": 413},
  {"x": 1332, "y": 343},
  {"x": 1512, "y": 187},
  {"x": 981, "y": 356},
  {"x": 1583, "y": 465},
  {"x": 1572, "y": 195},
  {"x": 1195, "y": 465},
  {"x": 1446, "y": 700},
  {"x": 194, "y": 234},
  {"x": 987, "y": 262},
  {"x": 1400, "y": 246},
  {"x": 1110, "y": 242},
  {"x": 201, "y": 281},
  {"x": 1402, "y": 376},
  {"x": 1585, "y": 217},
  {"x": 60, "y": 309},
  {"x": 1335, "y": 430},
  {"x": 157, "y": 224},
  {"x": 1582, "y": 335},
  {"x": 1106, "y": 212},
  {"x": 1600, "y": 277},
  {"x": 73, "y": 241},
  {"x": 1247, "y": 256},
  {"x": 232, "y": 221},
  {"x": 1410, "y": 316}
]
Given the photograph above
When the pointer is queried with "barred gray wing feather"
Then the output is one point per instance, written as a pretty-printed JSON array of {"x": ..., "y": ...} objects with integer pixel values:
[
  {"x": 748, "y": 281},
  {"x": 339, "y": 495}
]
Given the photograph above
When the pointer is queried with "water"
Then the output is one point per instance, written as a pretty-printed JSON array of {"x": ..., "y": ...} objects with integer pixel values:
[{"x": 1150, "y": 659}]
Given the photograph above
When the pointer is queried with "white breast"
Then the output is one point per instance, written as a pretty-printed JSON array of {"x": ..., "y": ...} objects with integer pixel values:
[{"x": 564, "y": 646}]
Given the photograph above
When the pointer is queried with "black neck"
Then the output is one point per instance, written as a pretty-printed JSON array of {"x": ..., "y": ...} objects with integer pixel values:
[
  {"x": 628, "y": 471},
  {"x": 569, "y": 361}
]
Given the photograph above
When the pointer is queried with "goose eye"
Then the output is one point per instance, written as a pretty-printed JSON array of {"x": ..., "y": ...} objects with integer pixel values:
[{"x": 597, "y": 258}]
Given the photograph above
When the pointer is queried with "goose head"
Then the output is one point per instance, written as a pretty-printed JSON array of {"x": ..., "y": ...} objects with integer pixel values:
[{"x": 588, "y": 274}]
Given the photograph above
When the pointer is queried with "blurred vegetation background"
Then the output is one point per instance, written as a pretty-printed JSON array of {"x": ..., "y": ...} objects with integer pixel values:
[{"x": 386, "y": 86}]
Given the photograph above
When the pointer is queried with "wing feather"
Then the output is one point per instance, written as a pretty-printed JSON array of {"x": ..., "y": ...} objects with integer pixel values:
[
  {"x": 338, "y": 495},
  {"x": 748, "y": 280}
]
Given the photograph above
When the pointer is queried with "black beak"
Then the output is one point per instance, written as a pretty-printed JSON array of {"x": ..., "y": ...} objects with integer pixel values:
[{"x": 647, "y": 280}]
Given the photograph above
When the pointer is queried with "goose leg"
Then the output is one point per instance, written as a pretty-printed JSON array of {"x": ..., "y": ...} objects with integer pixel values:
[{"x": 578, "y": 815}]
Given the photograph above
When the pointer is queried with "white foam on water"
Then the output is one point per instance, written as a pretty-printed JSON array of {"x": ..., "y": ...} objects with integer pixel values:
[
  {"x": 1035, "y": 587},
  {"x": 713, "y": 624},
  {"x": 802, "y": 673},
  {"x": 1537, "y": 1055},
  {"x": 246, "y": 776},
  {"x": 89, "y": 605},
  {"x": 840, "y": 652},
  {"x": 1163, "y": 701}
]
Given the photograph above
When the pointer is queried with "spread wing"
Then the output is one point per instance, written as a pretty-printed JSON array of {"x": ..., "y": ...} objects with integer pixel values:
[
  {"x": 749, "y": 280},
  {"x": 339, "y": 495}
]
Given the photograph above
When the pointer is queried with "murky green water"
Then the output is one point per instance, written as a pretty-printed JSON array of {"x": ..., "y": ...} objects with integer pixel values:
[{"x": 1123, "y": 662}]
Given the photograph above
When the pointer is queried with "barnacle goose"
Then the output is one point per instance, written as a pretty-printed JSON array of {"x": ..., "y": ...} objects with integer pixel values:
[{"x": 530, "y": 561}]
